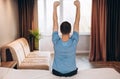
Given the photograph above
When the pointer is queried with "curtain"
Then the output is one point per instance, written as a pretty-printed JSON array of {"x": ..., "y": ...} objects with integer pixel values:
[
  {"x": 27, "y": 19},
  {"x": 105, "y": 30},
  {"x": 98, "y": 31},
  {"x": 113, "y": 30}
]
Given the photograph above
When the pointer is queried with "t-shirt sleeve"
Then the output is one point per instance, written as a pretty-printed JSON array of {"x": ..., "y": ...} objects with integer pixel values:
[
  {"x": 55, "y": 37},
  {"x": 75, "y": 37}
]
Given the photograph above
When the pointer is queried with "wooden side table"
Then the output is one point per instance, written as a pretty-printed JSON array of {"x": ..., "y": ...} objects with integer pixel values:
[{"x": 9, "y": 64}]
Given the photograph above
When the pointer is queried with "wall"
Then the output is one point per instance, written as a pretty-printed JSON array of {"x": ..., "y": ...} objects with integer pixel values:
[
  {"x": 8, "y": 21},
  {"x": 82, "y": 47}
]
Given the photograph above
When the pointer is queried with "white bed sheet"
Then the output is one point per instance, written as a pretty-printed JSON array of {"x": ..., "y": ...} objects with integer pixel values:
[{"x": 98, "y": 73}]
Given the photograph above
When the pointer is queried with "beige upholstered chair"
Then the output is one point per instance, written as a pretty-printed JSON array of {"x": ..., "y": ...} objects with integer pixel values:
[{"x": 26, "y": 59}]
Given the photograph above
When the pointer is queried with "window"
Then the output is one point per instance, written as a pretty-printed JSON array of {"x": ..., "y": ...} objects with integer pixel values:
[{"x": 66, "y": 12}]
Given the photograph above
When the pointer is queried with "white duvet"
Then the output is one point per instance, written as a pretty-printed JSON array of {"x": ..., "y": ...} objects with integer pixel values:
[{"x": 98, "y": 73}]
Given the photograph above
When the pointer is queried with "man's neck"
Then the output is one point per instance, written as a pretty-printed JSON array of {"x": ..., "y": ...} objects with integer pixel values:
[{"x": 65, "y": 37}]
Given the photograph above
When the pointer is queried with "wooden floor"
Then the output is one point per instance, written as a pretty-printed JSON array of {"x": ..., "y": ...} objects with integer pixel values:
[{"x": 83, "y": 63}]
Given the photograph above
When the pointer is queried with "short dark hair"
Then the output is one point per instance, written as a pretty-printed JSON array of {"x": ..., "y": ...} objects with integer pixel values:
[{"x": 65, "y": 27}]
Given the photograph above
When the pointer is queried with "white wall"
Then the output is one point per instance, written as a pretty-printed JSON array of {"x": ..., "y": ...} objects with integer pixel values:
[
  {"x": 83, "y": 44},
  {"x": 8, "y": 21}
]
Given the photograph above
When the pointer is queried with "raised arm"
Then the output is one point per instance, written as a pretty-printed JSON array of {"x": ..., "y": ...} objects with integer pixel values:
[
  {"x": 77, "y": 18},
  {"x": 55, "y": 17}
]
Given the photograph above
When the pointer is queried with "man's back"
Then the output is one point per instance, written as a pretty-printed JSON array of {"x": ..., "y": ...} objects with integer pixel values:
[{"x": 65, "y": 53}]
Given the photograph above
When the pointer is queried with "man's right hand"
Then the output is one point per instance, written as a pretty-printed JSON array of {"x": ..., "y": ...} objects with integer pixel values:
[
  {"x": 55, "y": 17},
  {"x": 77, "y": 18},
  {"x": 56, "y": 3},
  {"x": 77, "y": 3}
]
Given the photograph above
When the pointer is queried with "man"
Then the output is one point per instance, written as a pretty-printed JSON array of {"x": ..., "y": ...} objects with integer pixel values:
[{"x": 64, "y": 63}]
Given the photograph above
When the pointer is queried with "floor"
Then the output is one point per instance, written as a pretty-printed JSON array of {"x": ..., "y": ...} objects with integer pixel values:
[{"x": 83, "y": 63}]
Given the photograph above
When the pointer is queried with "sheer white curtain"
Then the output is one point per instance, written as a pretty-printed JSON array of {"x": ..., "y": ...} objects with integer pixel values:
[
  {"x": 45, "y": 15},
  {"x": 66, "y": 12}
]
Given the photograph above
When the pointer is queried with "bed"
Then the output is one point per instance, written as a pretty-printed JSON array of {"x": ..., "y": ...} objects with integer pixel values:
[{"x": 98, "y": 73}]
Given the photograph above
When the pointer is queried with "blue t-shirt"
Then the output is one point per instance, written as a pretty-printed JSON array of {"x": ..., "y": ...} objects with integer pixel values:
[{"x": 65, "y": 53}]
